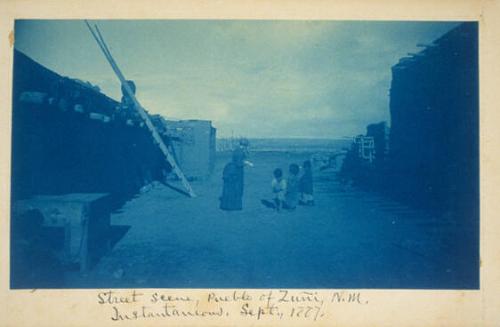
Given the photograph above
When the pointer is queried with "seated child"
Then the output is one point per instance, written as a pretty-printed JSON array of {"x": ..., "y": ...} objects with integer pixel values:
[{"x": 306, "y": 185}]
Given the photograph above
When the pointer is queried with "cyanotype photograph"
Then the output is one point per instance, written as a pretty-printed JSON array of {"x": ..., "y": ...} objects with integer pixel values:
[{"x": 298, "y": 154}]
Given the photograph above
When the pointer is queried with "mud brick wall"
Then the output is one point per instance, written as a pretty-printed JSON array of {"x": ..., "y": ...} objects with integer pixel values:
[
  {"x": 434, "y": 142},
  {"x": 70, "y": 138},
  {"x": 432, "y": 159}
]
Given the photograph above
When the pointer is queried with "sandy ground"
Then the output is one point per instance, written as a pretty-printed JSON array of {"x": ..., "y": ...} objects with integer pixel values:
[{"x": 350, "y": 239}]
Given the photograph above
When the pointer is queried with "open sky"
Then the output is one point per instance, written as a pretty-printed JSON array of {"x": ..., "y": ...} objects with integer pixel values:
[{"x": 313, "y": 79}]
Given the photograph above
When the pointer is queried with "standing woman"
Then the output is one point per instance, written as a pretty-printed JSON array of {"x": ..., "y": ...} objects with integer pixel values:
[{"x": 233, "y": 177}]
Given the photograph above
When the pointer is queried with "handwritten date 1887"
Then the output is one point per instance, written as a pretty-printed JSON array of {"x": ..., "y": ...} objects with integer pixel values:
[{"x": 306, "y": 312}]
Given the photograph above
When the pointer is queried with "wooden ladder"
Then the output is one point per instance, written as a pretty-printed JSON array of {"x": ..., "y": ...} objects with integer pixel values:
[{"x": 144, "y": 115}]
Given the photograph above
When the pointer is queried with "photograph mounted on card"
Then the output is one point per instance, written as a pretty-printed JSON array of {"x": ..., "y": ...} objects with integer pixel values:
[{"x": 310, "y": 154}]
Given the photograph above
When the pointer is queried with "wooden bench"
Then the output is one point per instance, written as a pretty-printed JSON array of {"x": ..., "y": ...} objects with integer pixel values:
[{"x": 85, "y": 218}]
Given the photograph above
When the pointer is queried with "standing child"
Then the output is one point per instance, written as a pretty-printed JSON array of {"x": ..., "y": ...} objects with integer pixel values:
[
  {"x": 292, "y": 187},
  {"x": 279, "y": 188},
  {"x": 306, "y": 185}
]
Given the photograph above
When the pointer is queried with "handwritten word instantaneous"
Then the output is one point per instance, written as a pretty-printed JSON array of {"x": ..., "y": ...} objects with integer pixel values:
[{"x": 258, "y": 305}]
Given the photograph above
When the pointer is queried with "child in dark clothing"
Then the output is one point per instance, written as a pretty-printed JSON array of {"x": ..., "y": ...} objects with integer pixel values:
[
  {"x": 292, "y": 187},
  {"x": 306, "y": 185}
]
